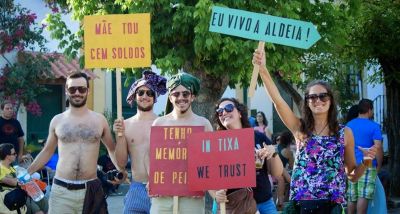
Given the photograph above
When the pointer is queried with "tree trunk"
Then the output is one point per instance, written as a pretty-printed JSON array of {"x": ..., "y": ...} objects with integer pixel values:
[
  {"x": 392, "y": 123},
  {"x": 211, "y": 91}
]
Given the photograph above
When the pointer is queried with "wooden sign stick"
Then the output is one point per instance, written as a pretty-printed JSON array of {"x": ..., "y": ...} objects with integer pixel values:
[
  {"x": 119, "y": 97},
  {"x": 222, "y": 208},
  {"x": 254, "y": 75},
  {"x": 175, "y": 205}
]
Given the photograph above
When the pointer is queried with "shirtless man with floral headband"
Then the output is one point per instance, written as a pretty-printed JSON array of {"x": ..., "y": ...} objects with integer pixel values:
[{"x": 136, "y": 141}]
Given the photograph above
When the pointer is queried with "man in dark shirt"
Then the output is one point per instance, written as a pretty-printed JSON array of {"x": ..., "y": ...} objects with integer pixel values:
[{"x": 10, "y": 129}]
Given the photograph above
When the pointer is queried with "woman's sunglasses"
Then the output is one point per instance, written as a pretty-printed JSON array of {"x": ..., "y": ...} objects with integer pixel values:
[
  {"x": 73, "y": 89},
  {"x": 228, "y": 108},
  {"x": 149, "y": 93},
  {"x": 322, "y": 96}
]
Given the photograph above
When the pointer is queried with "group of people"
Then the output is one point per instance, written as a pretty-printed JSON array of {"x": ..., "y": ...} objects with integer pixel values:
[
  {"x": 12, "y": 152},
  {"x": 324, "y": 160},
  {"x": 282, "y": 142}
]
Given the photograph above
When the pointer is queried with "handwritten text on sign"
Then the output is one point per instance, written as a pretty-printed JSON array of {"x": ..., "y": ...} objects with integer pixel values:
[
  {"x": 261, "y": 27},
  {"x": 222, "y": 159},
  {"x": 117, "y": 41},
  {"x": 168, "y": 160}
]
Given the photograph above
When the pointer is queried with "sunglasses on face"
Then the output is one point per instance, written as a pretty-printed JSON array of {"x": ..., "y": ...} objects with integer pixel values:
[
  {"x": 149, "y": 93},
  {"x": 73, "y": 89},
  {"x": 15, "y": 154},
  {"x": 185, "y": 94},
  {"x": 322, "y": 97},
  {"x": 228, "y": 108}
]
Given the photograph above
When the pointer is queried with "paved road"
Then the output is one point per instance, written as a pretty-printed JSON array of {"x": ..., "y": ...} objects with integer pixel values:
[{"x": 115, "y": 204}]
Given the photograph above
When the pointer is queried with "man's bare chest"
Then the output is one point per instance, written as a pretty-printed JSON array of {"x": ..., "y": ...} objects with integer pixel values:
[{"x": 78, "y": 132}]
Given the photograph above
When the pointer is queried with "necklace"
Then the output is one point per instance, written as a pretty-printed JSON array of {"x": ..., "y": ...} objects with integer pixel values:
[{"x": 319, "y": 133}]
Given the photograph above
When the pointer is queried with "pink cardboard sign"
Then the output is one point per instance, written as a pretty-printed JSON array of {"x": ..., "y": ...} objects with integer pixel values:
[
  {"x": 168, "y": 160},
  {"x": 221, "y": 160}
]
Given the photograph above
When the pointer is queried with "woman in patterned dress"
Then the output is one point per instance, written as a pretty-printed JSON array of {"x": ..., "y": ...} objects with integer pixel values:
[{"x": 325, "y": 149}]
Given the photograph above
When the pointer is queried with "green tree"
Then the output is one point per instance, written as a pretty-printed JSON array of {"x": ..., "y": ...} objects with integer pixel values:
[
  {"x": 19, "y": 81},
  {"x": 375, "y": 42},
  {"x": 354, "y": 34},
  {"x": 180, "y": 39}
]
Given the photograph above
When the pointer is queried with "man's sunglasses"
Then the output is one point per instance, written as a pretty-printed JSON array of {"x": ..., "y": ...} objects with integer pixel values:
[
  {"x": 73, "y": 89},
  {"x": 322, "y": 96},
  {"x": 185, "y": 94},
  {"x": 228, "y": 108},
  {"x": 149, "y": 93}
]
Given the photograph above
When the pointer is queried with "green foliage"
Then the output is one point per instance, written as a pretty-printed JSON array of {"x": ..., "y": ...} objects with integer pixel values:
[
  {"x": 18, "y": 29},
  {"x": 375, "y": 37},
  {"x": 59, "y": 30},
  {"x": 19, "y": 81},
  {"x": 180, "y": 37}
]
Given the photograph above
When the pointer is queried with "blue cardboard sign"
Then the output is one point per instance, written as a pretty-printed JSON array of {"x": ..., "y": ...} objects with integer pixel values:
[{"x": 261, "y": 27}]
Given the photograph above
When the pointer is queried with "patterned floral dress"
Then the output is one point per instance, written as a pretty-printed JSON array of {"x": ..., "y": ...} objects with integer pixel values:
[{"x": 318, "y": 171}]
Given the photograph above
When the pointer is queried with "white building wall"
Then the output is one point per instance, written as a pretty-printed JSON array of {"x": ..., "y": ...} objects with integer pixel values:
[{"x": 261, "y": 102}]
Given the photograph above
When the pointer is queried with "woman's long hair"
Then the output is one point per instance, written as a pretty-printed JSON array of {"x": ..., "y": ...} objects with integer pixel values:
[
  {"x": 307, "y": 122},
  {"x": 286, "y": 138},
  {"x": 352, "y": 113},
  {"x": 265, "y": 121},
  {"x": 239, "y": 106}
]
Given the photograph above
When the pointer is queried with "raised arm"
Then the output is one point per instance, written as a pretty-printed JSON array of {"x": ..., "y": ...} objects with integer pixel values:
[
  {"x": 285, "y": 113},
  {"x": 121, "y": 149},
  {"x": 44, "y": 156}
]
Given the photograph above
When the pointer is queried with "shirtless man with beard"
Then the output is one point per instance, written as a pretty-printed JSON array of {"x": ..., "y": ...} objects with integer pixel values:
[
  {"x": 136, "y": 141},
  {"x": 183, "y": 89},
  {"x": 77, "y": 132}
]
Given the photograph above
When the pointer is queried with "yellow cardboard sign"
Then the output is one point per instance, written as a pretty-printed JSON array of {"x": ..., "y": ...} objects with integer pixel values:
[{"x": 117, "y": 41}]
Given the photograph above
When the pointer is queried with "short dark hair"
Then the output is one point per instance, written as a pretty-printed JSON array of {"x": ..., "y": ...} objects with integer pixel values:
[
  {"x": 78, "y": 74},
  {"x": 5, "y": 149},
  {"x": 4, "y": 103},
  {"x": 365, "y": 105}
]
